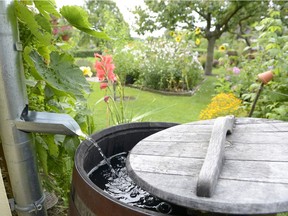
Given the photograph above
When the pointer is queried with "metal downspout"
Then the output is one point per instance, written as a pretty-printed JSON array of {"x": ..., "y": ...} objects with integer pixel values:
[{"x": 17, "y": 145}]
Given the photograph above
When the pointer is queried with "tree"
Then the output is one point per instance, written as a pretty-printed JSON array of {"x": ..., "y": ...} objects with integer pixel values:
[
  {"x": 105, "y": 16},
  {"x": 216, "y": 17}
]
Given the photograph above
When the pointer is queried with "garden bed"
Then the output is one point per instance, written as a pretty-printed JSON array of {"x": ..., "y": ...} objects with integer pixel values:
[{"x": 174, "y": 93}]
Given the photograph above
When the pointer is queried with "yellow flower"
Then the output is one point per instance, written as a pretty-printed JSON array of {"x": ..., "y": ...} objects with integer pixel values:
[
  {"x": 197, "y": 42},
  {"x": 86, "y": 71},
  {"x": 222, "y": 48},
  {"x": 221, "y": 105},
  {"x": 178, "y": 39},
  {"x": 197, "y": 31},
  {"x": 172, "y": 34}
]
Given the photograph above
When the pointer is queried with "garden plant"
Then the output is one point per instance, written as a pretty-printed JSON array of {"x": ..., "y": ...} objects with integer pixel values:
[
  {"x": 271, "y": 55},
  {"x": 54, "y": 84},
  {"x": 237, "y": 40}
]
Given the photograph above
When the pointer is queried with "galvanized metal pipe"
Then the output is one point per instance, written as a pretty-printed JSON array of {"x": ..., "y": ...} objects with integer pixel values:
[{"x": 17, "y": 145}]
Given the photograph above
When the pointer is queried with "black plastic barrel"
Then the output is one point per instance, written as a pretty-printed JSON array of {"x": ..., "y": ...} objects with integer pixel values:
[{"x": 87, "y": 199}]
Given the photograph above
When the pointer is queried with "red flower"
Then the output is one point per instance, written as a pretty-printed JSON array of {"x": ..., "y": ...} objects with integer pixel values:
[
  {"x": 106, "y": 98},
  {"x": 97, "y": 55},
  {"x": 100, "y": 70},
  {"x": 103, "y": 85},
  {"x": 107, "y": 59},
  {"x": 104, "y": 67}
]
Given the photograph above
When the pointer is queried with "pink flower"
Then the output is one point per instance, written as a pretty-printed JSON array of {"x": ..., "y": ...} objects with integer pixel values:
[
  {"x": 104, "y": 67},
  {"x": 103, "y": 85},
  {"x": 55, "y": 31},
  {"x": 236, "y": 70},
  {"x": 107, "y": 59},
  {"x": 100, "y": 70},
  {"x": 106, "y": 98}
]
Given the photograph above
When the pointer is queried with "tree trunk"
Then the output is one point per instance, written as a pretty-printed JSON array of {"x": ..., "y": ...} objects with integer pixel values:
[{"x": 210, "y": 54}]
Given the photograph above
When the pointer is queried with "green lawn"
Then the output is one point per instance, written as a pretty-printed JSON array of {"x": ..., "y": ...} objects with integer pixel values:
[{"x": 180, "y": 109}]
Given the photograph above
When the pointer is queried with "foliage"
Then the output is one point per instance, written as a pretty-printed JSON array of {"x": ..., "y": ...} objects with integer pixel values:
[
  {"x": 217, "y": 16},
  {"x": 54, "y": 84},
  {"x": 165, "y": 108},
  {"x": 114, "y": 91},
  {"x": 77, "y": 17},
  {"x": 83, "y": 53},
  {"x": 170, "y": 64},
  {"x": 105, "y": 73},
  {"x": 105, "y": 16},
  {"x": 271, "y": 55},
  {"x": 128, "y": 61},
  {"x": 221, "y": 105}
]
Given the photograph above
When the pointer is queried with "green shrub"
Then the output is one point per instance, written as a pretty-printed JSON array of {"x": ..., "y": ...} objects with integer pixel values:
[
  {"x": 202, "y": 60},
  {"x": 170, "y": 65},
  {"x": 126, "y": 65},
  {"x": 218, "y": 54},
  {"x": 84, "y": 53},
  {"x": 273, "y": 101}
]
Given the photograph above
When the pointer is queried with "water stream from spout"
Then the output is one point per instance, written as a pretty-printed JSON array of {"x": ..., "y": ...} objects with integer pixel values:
[{"x": 115, "y": 174}]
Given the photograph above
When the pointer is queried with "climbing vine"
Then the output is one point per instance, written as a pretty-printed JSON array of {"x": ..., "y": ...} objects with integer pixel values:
[{"x": 54, "y": 82}]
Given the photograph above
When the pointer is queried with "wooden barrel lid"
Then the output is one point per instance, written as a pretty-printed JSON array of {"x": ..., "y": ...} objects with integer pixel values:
[{"x": 251, "y": 172}]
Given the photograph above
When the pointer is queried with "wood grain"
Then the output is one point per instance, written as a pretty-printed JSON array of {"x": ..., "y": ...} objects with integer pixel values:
[
  {"x": 4, "y": 203},
  {"x": 254, "y": 177},
  {"x": 214, "y": 158}
]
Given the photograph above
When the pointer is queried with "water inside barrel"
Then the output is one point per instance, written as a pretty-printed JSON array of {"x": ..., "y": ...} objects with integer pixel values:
[
  {"x": 101, "y": 153},
  {"x": 125, "y": 190}
]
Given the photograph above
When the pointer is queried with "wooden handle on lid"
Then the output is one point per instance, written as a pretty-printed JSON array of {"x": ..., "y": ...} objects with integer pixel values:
[{"x": 213, "y": 163}]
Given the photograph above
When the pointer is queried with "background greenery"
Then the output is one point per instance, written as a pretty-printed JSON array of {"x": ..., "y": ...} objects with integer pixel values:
[
  {"x": 174, "y": 62},
  {"x": 162, "y": 107}
]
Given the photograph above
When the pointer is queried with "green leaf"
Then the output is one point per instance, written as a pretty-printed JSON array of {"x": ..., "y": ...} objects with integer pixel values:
[
  {"x": 271, "y": 46},
  {"x": 48, "y": 92},
  {"x": 27, "y": 2},
  {"x": 42, "y": 153},
  {"x": 44, "y": 52},
  {"x": 274, "y": 52},
  {"x": 70, "y": 144},
  {"x": 26, "y": 55},
  {"x": 259, "y": 28},
  {"x": 282, "y": 110},
  {"x": 52, "y": 147},
  {"x": 27, "y": 17},
  {"x": 62, "y": 75},
  {"x": 43, "y": 22},
  {"x": 78, "y": 18},
  {"x": 275, "y": 28},
  {"x": 285, "y": 47},
  {"x": 274, "y": 14},
  {"x": 46, "y": 8}
]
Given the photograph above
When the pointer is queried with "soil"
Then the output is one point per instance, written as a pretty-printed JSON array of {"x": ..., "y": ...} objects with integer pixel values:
[{"x": 57, "y": 210}]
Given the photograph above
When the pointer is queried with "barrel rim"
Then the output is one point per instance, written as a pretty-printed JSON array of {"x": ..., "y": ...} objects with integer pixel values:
[{"x": 85, "y": 146}]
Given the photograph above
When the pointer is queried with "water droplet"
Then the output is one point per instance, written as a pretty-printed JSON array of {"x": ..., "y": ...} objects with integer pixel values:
[
  {"x": 114, "y": 173},
  {"x": 164, "y": 207}
]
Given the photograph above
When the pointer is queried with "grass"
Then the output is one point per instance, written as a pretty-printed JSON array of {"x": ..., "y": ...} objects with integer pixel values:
[{"x": 180, "y": 109}]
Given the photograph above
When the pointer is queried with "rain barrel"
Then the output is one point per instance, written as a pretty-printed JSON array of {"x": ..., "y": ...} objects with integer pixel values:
[{"x": 87, "y": 199}]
